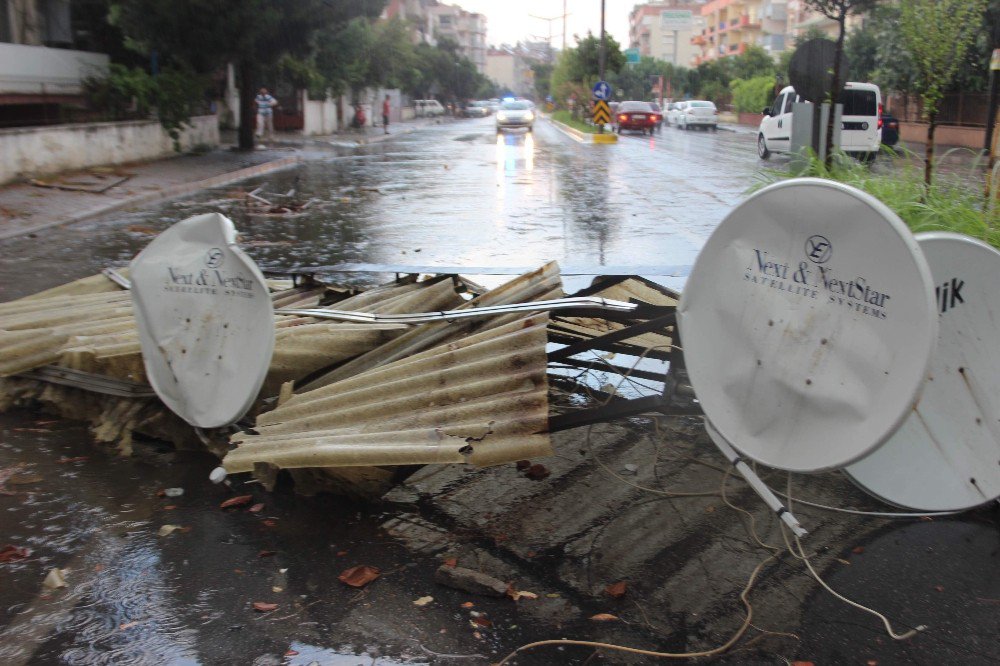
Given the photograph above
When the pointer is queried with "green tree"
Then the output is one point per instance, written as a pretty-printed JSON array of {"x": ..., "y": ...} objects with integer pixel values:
[
  {"x": 837, "y": 10},
  {"x": 753, "y": 62},
  {"x": 937, "y": 33},
  {"x": 251, "y": 34},
  {"x": 752, "y": 95},
  {"x": 542, "y": 73}
]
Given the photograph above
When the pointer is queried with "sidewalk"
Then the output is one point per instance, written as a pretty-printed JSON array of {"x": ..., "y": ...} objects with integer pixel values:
[{"x": 76, "y": 196}]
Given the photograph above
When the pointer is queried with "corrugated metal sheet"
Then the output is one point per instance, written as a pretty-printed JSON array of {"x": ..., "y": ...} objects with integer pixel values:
[
  {"x": 633, "y": 289},
  {"x": 540, "y": 284},
  {"x": 482, "y": 399}
]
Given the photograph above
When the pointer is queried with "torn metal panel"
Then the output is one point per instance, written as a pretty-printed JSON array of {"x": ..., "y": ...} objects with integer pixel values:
[
  {"x": 632, "y": 289},
  {"x": 541, "y": 284},
  {"x": 482, "y": 399}
]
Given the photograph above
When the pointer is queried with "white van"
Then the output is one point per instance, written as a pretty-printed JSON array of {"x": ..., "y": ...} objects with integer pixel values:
[
  {"x": 428, "y": 108},
  {"x": 860, "y": 134}
]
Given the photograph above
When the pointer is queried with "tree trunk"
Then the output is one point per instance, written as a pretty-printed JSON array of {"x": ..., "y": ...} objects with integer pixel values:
[
  {"x": 929, "y": 154},
  {"x": 838, "y": 57},
  {"x": 246, "y": 74}
]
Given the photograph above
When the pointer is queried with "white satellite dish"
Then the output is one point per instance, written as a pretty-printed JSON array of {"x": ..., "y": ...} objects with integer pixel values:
[
  {"x": 807, "y": 325},
  {"x": 946, "y": 455},
  {"x": 205, "y": 319}
]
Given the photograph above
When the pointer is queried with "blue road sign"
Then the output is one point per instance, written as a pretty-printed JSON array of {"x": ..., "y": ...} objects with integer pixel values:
[{"x": 602, "y": 90}]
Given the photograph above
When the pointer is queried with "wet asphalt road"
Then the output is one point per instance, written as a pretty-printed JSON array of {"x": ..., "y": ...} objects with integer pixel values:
[{"x": 451, "y": 194}]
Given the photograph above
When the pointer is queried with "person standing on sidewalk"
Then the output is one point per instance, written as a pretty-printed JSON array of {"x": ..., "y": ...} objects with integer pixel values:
[
  {"x": 386, "y": 107},
  {"x": 265, "y": 113}
]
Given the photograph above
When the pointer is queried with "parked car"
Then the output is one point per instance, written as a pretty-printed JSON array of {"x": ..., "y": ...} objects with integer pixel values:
[
  {"x": 656, "y": 108},
  {"x": 636, "y": 116},
  {"x": 515, "y": 113},
  {"x": 890, "y": 129},
  {"x": 674, "y": 110},
  {"x": 698, "y": 113},
  {"x": 479, "y": 109},
  {"x": 427, "y": 108},
  {"x": 861, "y": 129}
]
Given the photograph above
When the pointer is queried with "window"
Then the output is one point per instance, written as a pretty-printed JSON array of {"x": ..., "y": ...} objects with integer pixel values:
[
  {"x": 5, "y": 35},
  {"x": 859, "y": 102},
  {"x": 789, "y": 100},
  {"x": 776, "y": 107}
]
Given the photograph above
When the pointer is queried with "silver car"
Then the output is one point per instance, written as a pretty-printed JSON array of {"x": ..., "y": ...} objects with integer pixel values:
[{"x": 515, "y": 113}]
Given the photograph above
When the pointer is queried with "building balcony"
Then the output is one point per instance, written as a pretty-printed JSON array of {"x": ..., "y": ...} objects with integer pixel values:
[
  {"x": 41, "y": 70},
  {"x": 698, "y": 40}
]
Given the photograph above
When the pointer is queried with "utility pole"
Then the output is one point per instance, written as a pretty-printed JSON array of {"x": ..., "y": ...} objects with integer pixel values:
[
  {"x": 550, "y": 20},
  {"x": 603, "y": 47},
  {"x": 564, "y": 25}
]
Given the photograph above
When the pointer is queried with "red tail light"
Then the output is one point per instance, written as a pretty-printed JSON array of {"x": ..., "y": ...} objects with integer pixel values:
[
  {"x": 880, "y": 115},
  {"x": 622, "y": 118}
]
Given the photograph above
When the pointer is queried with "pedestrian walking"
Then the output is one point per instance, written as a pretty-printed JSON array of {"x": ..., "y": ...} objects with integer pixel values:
[
  {"x": 386, "y": 107},
  {"x": 265, "y": 113}
]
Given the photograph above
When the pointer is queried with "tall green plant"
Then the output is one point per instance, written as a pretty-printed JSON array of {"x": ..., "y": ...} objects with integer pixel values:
[{"x": 937, "y": 33}]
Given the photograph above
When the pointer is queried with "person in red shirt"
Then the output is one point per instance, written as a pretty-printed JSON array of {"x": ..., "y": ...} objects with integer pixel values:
[{"x": 385, "y": 114}]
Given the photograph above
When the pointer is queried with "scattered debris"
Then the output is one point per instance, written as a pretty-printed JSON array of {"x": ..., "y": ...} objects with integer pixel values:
[
  {"x": 12, "y": 553},
  {"x": 517, "y": 595},
  {"x": 616, "y": 590},
  {"x": 55, "y": 579},
  {"x": 423, "y": 601},
  {"x": 173, "y": 492},
  {"x": 467, "y": 580},
  {"x": 236, "y": 501},
  {"x": 167, "y": 530},
  {"x": 537, "y": 472},
  {"x": 604, "y": 617},
  {"x": 359, "y": 576},
  {"x": 264, "y": 607}
]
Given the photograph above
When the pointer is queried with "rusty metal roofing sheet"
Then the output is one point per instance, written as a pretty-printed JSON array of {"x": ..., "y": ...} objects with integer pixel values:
[
  {"x": 482, "y": 399},
  {"x": 540, "y": 284}
]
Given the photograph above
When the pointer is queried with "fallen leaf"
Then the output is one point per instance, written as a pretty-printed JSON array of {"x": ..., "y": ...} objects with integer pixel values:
[
  {"x": 939, "y": 588},
  {"x": 523, "y": 465},
  {"x": 519, "y": 594},
  {"x": 616, "y": 590},
  {"x": 423, "y": 601},
  {"x": 291, "y": 653},
  {"x": 857, "y": 550},
  {"x": 359, "y": 576},
  {"x": 468, "y": 604},
  {"x": 236, "y": 501},
  {"x": 270, "y": 523},
  {"x": 170, "y": 507},
  {"x": 24, "y": 479},
  {"x": 264, "y": 607},
  {"x": 173, "y": 492},
  {"x": 167, "y": 530},
  {"x": 481, "y": 622},
  {"x": 127, "y": 625},
  {"x": 843, "y": 561},
  {"x": 604, "y": 617},
  {"x": 537, "y": 472},
  {"x": 277, "y": 590},
  {"x": 266, "y": 553},
  {"x": 12, "y": 553},
  {"x": 64, "y": 461},
  {"x": 451, "y": 562},
  {"x": 552, "y": 595},
  {"x": 256, "y": 508},
  {"x": 55, "y": 579},
  {"x": 871, "y": 662},
  {"x": 803, "y": 663},
  {"x": 341, "y": 553}
]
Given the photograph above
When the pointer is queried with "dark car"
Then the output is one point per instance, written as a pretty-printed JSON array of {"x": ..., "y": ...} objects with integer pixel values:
[
  {"x": 636, "y": 116},
  {"x": 890, "y": 129}
]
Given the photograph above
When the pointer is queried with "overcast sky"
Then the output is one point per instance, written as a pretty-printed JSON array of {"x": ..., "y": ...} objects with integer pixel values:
[{"x": 509, "y": 21}]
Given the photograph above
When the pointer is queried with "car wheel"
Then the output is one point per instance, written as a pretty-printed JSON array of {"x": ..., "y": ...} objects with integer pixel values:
[
  {"x": 530, "y": 128},
  {"x": 762, "y": 150}
]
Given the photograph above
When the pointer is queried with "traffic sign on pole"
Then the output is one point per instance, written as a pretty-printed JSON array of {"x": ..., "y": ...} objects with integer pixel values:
[
  {"x": 602, "y": 113},
  {"x": 602, "y": 90}
]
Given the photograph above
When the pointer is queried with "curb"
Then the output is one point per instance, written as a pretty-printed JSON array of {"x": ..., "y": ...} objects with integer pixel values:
[
  {"x": 168, "y": 193},
  {"x": 582, "y": 137}
]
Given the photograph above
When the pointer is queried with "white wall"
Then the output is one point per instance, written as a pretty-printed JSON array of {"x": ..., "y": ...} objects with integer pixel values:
[
  {"x": 36, "y": 151},
  {"x": 40, "y": 70}
]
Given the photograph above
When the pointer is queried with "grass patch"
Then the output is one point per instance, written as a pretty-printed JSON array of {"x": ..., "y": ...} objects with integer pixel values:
[
  {"x": 954, "y": 202},
  {"x": 565, "y": 118}
]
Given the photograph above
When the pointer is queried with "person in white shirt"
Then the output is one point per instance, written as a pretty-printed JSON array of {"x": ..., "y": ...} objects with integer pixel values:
[{"x": 265, "y": 113}]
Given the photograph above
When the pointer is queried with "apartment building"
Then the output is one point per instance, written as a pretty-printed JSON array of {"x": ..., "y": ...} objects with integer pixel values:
[
  {"x": 733, "y": 25},
  {"x": 802, "y": 17},
  {"x": 40, "y": 66},
  {"x": 663, "y": 30},
  {"x": 431, "y": 20},
  {"x": 510, "y": 68}
]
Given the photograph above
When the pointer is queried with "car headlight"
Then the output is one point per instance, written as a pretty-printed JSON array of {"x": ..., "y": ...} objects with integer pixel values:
[
  {"x": 529, "y": 116},
  {"x": 501, "y": 116}
]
